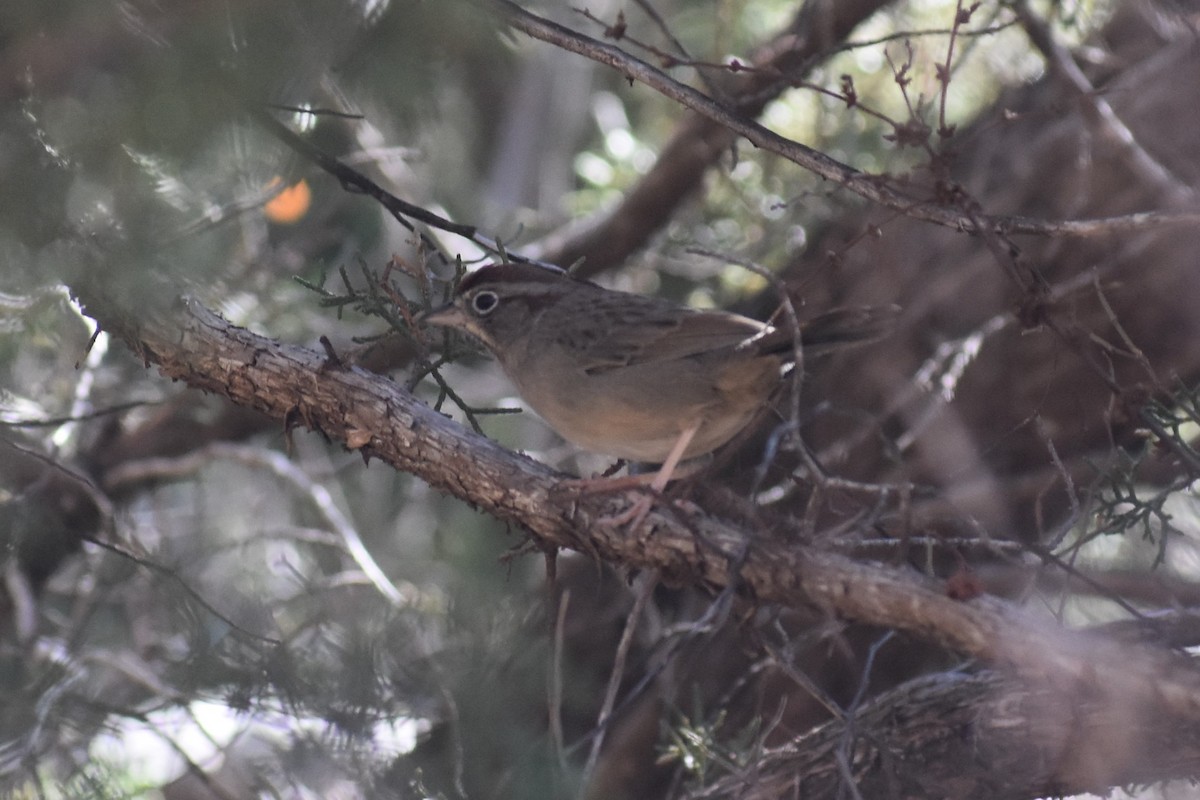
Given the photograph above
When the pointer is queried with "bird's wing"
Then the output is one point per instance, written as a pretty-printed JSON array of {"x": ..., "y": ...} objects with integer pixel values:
[{"x": 649, "y": 331}]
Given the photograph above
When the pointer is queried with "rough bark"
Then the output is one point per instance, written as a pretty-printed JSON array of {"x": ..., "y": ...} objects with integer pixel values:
[{"x": 1150, "y": 689}]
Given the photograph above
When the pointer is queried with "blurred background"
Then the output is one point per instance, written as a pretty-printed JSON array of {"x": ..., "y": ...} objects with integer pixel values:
[{"x": 184, "y": 611}]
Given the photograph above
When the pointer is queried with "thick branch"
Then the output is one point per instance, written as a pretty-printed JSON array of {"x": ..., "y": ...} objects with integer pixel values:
[{"x": 378, "y": 418}]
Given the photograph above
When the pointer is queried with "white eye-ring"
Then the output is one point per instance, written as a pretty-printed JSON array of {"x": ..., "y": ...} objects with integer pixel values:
[{"x": 485, "y": 302}]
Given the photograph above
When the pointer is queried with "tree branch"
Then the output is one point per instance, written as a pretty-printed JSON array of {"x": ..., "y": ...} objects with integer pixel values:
[
  {"x": 875, "y": 188},
  {"x": 698, "y": 141},
  {"x": 381, "y": 420}
]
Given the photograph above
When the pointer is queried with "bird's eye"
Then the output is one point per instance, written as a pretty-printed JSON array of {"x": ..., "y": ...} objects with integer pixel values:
[{"x": 485, "y": 302}]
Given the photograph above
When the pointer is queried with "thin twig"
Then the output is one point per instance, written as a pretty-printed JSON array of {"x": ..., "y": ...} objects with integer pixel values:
[
  {"x": 648, "y": 583},
  {"x": 179, "y": 581},
  {"x": 282, "y": 467},
  {"x": 400, "y": 210},
  {"x": 871, "y": 187},
  {"x": 556, "y": 682}
]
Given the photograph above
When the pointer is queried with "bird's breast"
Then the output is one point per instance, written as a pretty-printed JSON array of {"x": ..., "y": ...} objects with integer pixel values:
[{"x": 638, "y": 412}]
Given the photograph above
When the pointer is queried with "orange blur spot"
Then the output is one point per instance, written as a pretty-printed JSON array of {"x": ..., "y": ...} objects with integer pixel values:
[{"x": 290, "y": 205}]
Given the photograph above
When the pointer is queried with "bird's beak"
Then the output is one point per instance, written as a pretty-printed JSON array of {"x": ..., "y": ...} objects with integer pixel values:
[{"x": 448, "y": 316}]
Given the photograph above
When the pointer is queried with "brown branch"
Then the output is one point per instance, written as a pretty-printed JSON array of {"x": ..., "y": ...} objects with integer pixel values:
[
  {"x": 297, "y": 385},
  {"x": 699, "y": 140},
  {"x": 875, "y": 188},
  {"x": 353, "y": 180}
]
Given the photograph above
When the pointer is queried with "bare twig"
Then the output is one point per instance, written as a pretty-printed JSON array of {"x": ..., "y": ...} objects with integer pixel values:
[
  {"x": 285, "y": 380},
  {"x": 647, "y": 583},
  {"x": 283, "y": 468},
  {"x": 556, "y": 684},
  {"x": 400, "y": 210},
  {"x": 154, "y": 566},
  {"x": 871, "y": 187}
]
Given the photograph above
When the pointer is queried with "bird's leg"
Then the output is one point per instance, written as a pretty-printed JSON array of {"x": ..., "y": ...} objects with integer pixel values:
[
  {"x": 667, "y": 470},
  {"x": 657, "y": 481}
]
